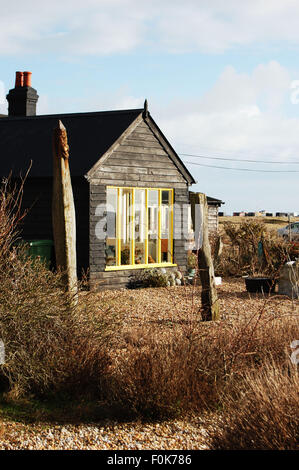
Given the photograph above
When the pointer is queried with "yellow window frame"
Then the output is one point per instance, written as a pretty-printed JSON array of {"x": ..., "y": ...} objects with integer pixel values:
[{"x": 118, "y": 265}]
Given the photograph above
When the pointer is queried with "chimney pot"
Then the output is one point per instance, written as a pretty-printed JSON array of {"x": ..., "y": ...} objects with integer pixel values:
[
  {"x": 23, "y": 98},
  {"x": 27, "y": 78},
  {"x": 19, "y": 79}
]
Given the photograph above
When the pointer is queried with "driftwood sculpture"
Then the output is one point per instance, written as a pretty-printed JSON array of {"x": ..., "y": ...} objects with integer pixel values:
[
  {"x": 63, "y": 211},
  {"x": 209, "y": 297}
]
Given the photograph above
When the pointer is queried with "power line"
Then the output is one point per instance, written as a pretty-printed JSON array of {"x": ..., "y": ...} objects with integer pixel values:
[
  {"x": 238, "y": 160},
  {"x": 237, "y": 153},
  {"x": 243, "y": 169}
]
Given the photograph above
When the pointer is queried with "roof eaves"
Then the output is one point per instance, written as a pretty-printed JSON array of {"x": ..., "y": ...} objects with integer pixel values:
[{"x": 63, "y": 115}]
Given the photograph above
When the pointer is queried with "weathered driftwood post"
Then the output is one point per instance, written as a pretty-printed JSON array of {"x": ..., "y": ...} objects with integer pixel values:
[
  {"x": 209, "y": 298},
  {"x": 63, "y": 211}
]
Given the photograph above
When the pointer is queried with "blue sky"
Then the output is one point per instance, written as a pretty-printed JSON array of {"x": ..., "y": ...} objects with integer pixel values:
[{"x": 218, "y": 77}]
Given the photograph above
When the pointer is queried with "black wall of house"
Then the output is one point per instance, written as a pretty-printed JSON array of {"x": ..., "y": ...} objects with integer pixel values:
[{"x": 37, "y": 224}]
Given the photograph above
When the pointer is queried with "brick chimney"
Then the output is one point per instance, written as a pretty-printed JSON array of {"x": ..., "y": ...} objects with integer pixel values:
[{"x": 22, "y": 98}]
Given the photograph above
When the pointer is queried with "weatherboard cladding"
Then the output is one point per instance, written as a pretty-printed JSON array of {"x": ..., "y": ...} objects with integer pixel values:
[
  {"x": 140, "y": 160},
  {"x": 121, "y": 148}
]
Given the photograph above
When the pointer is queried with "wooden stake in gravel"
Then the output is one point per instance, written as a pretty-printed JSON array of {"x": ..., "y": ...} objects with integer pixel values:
[
  {"x": 209, "y": 297},
  {"x": 63, "y": 211}
]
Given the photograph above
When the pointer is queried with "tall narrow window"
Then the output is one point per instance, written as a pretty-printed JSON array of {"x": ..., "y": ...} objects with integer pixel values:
[
  {"x": 153, "y": 225},
  {"x": 166, "y": 224},
  {"x": 111, "y": 240},
  {"x": 126, "y": 209},
  {"x": 140, "y": 226}
]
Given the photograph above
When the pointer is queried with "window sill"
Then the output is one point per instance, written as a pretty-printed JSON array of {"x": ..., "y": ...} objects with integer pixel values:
[{"x": 139, "y": 266}]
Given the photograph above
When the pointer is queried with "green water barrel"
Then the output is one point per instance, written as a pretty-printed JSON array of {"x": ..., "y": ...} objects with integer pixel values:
[{"x": 41, "y": 248}]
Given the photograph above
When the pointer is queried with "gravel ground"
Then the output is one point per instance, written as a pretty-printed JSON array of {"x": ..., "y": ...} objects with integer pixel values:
[
  {"x": 157, "y": 309},
  {"x": 178, "y": 434}
]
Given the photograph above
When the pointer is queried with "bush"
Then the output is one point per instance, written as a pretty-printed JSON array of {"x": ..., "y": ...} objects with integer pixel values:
[
  {"x": 252, "y": 250},
  {"x": 271, "y": 394},
  {"x": 50, "y": 347},
  {"x": 196, "y": 368},
  {"x": 240, "y": 367}
]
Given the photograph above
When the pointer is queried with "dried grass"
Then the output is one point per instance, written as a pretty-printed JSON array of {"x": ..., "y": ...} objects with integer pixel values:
[
  {"x": 261, "y": 411},
  {"x": 170, "y": 362},
  {"x": 149, "y": 354},
  {"x": 50, "y": 346}
]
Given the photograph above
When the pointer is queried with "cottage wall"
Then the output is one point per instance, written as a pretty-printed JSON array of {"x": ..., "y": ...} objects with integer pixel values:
[
  {"x": 139, "y": 161},
  {"x": 37, "y": 225},
  {"x": 213, "y": 219}
]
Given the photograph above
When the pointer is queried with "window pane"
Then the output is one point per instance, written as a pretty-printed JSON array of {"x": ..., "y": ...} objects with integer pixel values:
[
  {"x": 126, "y": 225},
  {"x": 140, "y": 226},
  {"x": 153, "y": 205},
  {"x": 111, "y": 238},
  {"x": 166, "y": 227}
]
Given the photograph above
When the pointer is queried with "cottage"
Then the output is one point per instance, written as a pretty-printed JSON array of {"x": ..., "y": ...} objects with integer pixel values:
[{"x": 129, "y": 185}]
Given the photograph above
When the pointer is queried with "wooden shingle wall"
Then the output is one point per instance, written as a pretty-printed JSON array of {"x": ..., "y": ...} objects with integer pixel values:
[
  {"x": 139, "y": 161},
  {"x": 213, "y": 219}
]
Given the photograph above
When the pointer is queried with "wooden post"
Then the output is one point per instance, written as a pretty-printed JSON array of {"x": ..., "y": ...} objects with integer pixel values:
[
  {"x": 63, "y": 211},
  {"x": 218, "y": 250},
  {"x": 209, "y": 298}
]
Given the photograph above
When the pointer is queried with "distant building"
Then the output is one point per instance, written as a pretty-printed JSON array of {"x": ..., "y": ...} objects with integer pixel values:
[{"x": 261, "y": 213}]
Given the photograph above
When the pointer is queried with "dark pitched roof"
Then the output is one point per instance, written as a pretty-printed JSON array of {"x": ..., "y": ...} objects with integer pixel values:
[
  {"x": 210, "y": 200},
  {"x": 214, "y": 202},
  {"x": 30, "y": 138}
]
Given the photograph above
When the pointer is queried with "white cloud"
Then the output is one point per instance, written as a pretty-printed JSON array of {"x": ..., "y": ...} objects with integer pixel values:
[
  {"x": 216, "y": 26},
  {"x": 70, "y": 26},
  {"x": 73, "y": 27},
  {"x": 241, "y": 115}
]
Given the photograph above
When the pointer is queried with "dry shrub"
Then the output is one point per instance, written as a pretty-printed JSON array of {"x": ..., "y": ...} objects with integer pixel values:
[
  {"x": 51, "y": 347},
  {"x": 156, "y": 380},
  {"x": 11, "y": 214},
  {"x": 243, "y": 256},
  {"x": 262, "y": 413},
  {"x": 196, "y": 368},
  {"x": 240, "y": 366}
]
